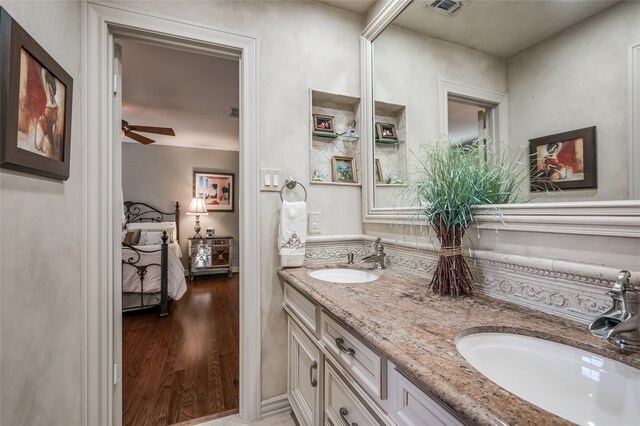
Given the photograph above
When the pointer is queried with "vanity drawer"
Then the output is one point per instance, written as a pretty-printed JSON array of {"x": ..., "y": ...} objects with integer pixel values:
[
  {"x": 303, "y": 308},
  {"x": 341, "y": 405},
  {"x": 412, "y": 407},
  {"x": 366, "y": 366}
]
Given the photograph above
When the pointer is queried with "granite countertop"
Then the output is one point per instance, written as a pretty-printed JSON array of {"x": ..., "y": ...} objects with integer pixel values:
[{"x": 399, "y": 316}]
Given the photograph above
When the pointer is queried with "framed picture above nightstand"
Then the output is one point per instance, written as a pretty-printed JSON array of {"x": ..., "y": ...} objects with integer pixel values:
[{"x": 211, "y": 255}]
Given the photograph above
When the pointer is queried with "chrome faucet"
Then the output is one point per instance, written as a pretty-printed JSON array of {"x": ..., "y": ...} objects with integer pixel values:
[
  {"x": 620, "y": 325},
  {"x": 378, "y": 258}
]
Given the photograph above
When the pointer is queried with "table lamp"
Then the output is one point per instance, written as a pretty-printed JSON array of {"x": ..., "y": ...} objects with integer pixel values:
[{"x": 197, "y": 208}]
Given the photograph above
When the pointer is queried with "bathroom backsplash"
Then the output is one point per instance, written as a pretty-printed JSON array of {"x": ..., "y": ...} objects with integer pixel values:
[{"x": 568, "y": 289}]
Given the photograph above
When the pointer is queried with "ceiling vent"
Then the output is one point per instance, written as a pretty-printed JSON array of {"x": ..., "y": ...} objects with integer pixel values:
[
  {"x": 446, "y": 6},
  {"x": 233, "y": 112}
]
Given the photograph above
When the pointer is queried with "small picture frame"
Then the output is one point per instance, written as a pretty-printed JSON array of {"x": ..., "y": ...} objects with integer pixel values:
[
  {"x": 344, "y": 169},
  {"x": 217, "y": 190},
  {"x": 35, "y": 122},
  {"x": 379, "y": 174},
  {"x": 564, "y": 161},
  {"x": 324, "y": 123},
  {"x": 386, "y": 131}
]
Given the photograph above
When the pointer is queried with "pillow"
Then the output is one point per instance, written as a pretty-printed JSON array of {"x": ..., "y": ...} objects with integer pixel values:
[
  {"x": 170, "y": 227},
  {"x": 124, "y": 235},
  {"x": 150, "y": 238},
  {"x": 131, "y": 237}
]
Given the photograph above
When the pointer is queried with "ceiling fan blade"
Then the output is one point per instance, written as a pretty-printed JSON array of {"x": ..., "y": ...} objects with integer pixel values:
[
  {"x": 138, "y": 138},
  {"x": 150, "y": 129}
]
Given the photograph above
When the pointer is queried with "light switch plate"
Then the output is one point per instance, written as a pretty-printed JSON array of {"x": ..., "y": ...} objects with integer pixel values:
[
  {"x": 314, "y": 223},
  {"x": 268, "y": 181}
]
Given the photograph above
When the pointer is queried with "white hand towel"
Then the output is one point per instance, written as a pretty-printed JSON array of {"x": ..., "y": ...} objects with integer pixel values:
[{"x": 293, "y": 233}]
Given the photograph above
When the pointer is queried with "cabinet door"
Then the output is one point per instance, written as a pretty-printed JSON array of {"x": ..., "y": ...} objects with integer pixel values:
[
  {"x": 220, "y": 256},
  {"x": 303, "y": 376}
]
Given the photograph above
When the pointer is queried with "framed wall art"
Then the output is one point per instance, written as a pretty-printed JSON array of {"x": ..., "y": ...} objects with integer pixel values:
[
  {"x": 324, "y": 123},
  {"x": 35, "y": 114},
  {"x": 379, "y": 174},
  {"x": 564, "y": 161},
  {"x": 344, "y": 169},
  {"x": 217, "y": 190},
  {"x": 386, "y": 131}
]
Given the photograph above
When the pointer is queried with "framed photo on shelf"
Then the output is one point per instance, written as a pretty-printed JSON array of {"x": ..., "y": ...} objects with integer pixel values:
[
  {"x": 564, "y": 161},
  {"x": 324, "y": 123},
  {"x": 379, "y": 174},
  {"x": 344, "y": 169},
  {"x": 35, "y": 122},
  {"x": 386, "y": 131},
  {"x": 217, "y": 190}
]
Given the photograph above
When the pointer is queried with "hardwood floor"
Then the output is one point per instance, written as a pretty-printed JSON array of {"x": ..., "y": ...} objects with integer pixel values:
[{"x": 184, "y": 366}]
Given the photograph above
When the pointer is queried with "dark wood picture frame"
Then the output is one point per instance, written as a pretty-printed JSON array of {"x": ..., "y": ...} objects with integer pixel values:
[
  {"x": 13, "y": 40},
  {"x": 226, "y": 208},
  {"x": 542, "y": 167},
  {"x": 389, "y": 129}
]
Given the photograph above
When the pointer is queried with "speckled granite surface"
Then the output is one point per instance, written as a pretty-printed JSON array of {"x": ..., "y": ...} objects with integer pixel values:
[{"x": 416, "y": 329}]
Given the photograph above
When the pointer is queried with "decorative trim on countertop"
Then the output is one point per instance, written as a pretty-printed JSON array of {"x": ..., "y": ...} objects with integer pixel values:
[{"x": 569, "y": 289}]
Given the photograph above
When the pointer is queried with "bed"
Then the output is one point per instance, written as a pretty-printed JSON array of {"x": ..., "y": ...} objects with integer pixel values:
[{"x": 152, "y": 272}]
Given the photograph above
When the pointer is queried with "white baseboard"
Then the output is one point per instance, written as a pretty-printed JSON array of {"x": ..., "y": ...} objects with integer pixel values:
[{"x": 276, "y": 405}]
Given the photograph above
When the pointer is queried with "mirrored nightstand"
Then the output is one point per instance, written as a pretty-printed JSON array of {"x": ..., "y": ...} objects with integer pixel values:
[{"x": 210, "y": 255}]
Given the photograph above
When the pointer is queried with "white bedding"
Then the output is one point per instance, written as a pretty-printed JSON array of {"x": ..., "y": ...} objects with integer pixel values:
[{"x": 177, "y": 285}]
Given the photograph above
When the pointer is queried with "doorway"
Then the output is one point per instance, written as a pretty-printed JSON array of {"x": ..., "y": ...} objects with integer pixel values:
[
  {"x": 184, "y": 366},
  {"x": 102, "y": 171}
]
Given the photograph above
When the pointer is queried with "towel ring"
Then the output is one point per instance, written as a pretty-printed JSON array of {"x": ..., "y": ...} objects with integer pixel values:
[{"x": 291, "y": 183}]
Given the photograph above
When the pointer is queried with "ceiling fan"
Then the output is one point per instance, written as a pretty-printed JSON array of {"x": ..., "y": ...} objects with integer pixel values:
[{"x": 130, "y": 129}]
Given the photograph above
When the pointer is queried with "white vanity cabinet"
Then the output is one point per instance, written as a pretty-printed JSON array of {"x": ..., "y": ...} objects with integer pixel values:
[{"x": 335, "y": 378}]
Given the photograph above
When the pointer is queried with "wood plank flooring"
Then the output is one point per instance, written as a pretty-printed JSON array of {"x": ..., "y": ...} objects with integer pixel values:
[{"x": 184, "y": 366}]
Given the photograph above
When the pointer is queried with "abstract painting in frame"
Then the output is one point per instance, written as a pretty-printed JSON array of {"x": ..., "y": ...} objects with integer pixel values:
[
  {"x": 35, "y": 113},
  {"x": 564, "y": 161},
  {"x": 217, "y": 190}
]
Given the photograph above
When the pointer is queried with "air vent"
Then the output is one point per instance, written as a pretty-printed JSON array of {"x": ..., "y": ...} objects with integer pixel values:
[
  {"x": 447, "y": 6},
  {"x": 233, "y": 112}
]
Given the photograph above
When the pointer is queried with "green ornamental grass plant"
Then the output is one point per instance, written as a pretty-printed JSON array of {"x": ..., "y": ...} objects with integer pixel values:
[{"x": 451, "y": 182}]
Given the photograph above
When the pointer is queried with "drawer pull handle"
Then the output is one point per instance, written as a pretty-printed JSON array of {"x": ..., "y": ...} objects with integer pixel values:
[
  {"x": 343, "y": 414},
  {"x": 313, "y": 381},
  {"x": 343, "y": 348},
  {"x": 220, "y": 257}
]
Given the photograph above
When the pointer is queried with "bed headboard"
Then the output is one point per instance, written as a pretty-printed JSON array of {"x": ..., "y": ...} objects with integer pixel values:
[{"x": 142, "y": 212}]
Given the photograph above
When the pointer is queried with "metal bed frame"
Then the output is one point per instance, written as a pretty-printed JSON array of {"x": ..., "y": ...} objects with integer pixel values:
[{"x": 141, "y": 212}]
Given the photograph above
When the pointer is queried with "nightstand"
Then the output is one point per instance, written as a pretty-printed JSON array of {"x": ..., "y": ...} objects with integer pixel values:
[{"x": 210, "y": 255}]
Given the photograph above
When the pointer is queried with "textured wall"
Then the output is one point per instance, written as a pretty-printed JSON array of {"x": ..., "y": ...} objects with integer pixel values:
[
  {"x": 161, "y": 175},
  {"x": 40, "y": 257},
  {"x": 580, "y": 78},
  {"x": 302, "y": 45}
]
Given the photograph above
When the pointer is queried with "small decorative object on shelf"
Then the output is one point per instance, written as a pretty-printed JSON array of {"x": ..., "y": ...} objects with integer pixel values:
[
  {"x": 211, "y": 232},
  {"x": 394, "y": 180},
  {"x": 318, "y": 176},
  {"x": 344, "y": 169},
  {"x": 385, "y": 131},
  {"x": 324, "y": 124}
]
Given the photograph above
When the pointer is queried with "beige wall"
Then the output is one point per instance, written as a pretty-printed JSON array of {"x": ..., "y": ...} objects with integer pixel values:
[
  {"x": 160, "y": 175},
  {"x": 302, "y": 45},
  {"x": 40, "y": 256},
  {"x": 578, "y": 79}
]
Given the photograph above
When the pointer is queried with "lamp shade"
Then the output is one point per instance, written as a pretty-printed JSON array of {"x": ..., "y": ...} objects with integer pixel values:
[{"x": 197, "y": 207}]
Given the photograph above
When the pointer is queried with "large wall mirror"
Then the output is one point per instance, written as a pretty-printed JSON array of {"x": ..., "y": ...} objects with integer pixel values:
[{"x": 508, "y": 72}]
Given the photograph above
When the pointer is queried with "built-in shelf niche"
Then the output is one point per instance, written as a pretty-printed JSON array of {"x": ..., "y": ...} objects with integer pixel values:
[
  {"x": 391, "y": 154},
  {"x": 324, "y": 146}
]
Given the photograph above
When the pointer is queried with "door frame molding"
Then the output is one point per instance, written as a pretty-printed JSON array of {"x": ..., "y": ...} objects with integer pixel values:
[{"x": 101, "y": 214}]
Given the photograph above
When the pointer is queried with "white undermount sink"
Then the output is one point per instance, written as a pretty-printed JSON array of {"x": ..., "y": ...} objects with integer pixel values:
[
  {"x": 579, "y": 386},
  {"x": 343, "y": 275}
]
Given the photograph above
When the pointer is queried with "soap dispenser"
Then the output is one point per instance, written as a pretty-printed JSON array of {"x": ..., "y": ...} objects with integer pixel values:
[{"x": 620, "y": 311}]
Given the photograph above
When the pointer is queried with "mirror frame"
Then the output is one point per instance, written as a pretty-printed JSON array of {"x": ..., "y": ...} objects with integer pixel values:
[{"x": 602, "y": 218}]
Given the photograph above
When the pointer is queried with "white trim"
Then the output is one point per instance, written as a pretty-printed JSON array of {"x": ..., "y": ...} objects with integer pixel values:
[
  {"x": 100, "y": 217},
  {"x": 276, "y": 405},
  {"x": 634, "y": 122},
  {"x": 498, "y": 100}
]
